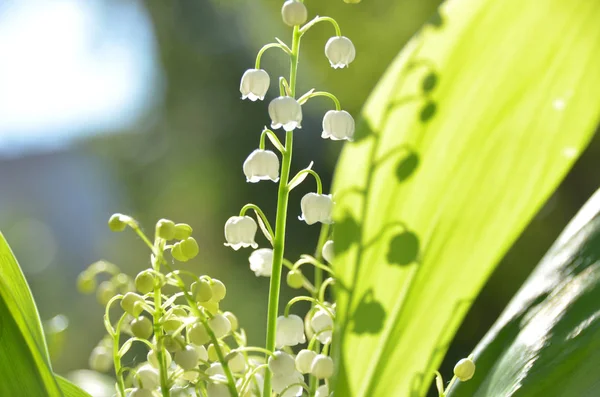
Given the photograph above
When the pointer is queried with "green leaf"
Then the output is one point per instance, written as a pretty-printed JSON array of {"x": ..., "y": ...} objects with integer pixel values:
[
  {"x": 24, "y": 362},
  {"x": 69, "y": 389},
  {"x": 468, "y": 133},
  {"x": 547, "y": 341}
]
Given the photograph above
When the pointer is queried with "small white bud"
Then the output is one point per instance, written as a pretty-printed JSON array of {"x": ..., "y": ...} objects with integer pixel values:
[
  {"x": 322, "y": 391},
  {"x": 101, "y": 359},
  {"x": 217, "y": 390},
  {"x": 304, "y": 360},
  {"x": 328, "y": 251},
  {"x": 153, "y": 358},
  {"x": 255, "y": 84},
  {"x": 322, "y": 367},
  {"x": 220, "y": 325},
  {"x": 290, "y": 331},
  {"x": 338, "y": 125},
  {"x": 464, "y": 369},
  {"x": 198, "y": 334},
  {"x": 285, "y": 112},
  {"x": 340, "y": 51},
  {"x": 261, "y": 165},
  {"x": 261, "y": 262},
  {"x": 188, "y": 357},
  {"x": 316, "y": 208},
  {"x": 294, "y": 13},
  {"x": 282, "y": 382},
  {"x": 240, "y": 232},
  {"x": 215, "y": 369},
  {"x": 237, "y": 363},
  {"x": 142, "y": 393},
  {"x": 322, "y": 324},
  {"x": 282, "y": 363},
  {"x": 146, "y": 377}
]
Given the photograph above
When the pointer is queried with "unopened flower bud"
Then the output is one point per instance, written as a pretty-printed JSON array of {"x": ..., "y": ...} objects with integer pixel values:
[
  {"x": 340, "y": 51},
  {"x": 285, "y": 112},
  {"x": 177, "y": 253},
  {"x": 236, "y": 362},
  {"x": 322, "y": 325},
  {"x": 138, "y": 392},
  {"x": 316, "y": 208},
  {"x": 282, "y": 363},
  {"x": 187, "y": 358},
  {"x": 338, "y": 125},
  {"x": 464, "y": 369},
  {"x": 322, "y": 367},
  {"x": 295, "y": 279},
  {"x": 240, "y": 231},
  {"x": 211, "y": 306},
  {"x": 304, "y": 360},
  {"x": 105, "y": 292},
  {"x": 86, "y": 282},
  {"x": 173, "y": 343},
  {"x": 294, "y": 13},
  {"x": 141, "y": 327},
  {"x": 290, "y": 331},
  {"x": 232, "y": 320},
  {"x": 328, "y": 251},
  {"x": 322, "y": 391},
  {"x": 261, "y": 165},
  {"x": 118, "y": 222},
  {"x": 144, "y": 282},
  {"x": 218, "y": 289},
  {"x": 175, "y": 320},
  {"x": 153, "y": 358},
  {"x": 101, "y": 359},
  {"x": 182, "y": 231},
  {"x": 128, "y": 303},
  {"x": 213, "y": 356},
  {"x": 189, "y": 247},
  {"x": 255, "y": 84},
  {"x": 261, "y": 262},
  {"x": 146, "y": 377},
  {"x": 220, "y": 325},
  {"x": 165, "y": 229},
  {"x": 217, "y": 390},
  {"x": 201, "y": 291},
  {"x": 198, "y": 334}
]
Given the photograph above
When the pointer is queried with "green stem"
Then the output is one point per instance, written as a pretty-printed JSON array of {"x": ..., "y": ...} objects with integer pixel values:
[
  {"x": 117, "y": 358},
  {"x": 282, "y": 205}
]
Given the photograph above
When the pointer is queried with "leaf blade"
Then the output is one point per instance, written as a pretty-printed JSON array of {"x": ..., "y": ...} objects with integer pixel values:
[{"x": 478, "y": 124}]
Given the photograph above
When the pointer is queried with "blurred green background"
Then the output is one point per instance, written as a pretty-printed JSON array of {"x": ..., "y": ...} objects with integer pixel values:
[{"x": 129, "y": 106}]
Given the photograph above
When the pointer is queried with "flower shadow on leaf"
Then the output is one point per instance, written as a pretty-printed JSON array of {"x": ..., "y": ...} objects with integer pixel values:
[
  {"x": 403, "y": 249},
  {"x": 369, "y": 315}
]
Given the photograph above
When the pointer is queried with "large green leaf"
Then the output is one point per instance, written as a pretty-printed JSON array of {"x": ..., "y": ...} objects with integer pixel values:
[
  {"x": 547, "y": 342},
  {"x": 465, "y": 137},
  {"x": 24, "y": 362}
]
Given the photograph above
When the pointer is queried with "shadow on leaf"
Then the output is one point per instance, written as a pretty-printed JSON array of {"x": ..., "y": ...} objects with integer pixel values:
[{"x": 369, "y": 316}]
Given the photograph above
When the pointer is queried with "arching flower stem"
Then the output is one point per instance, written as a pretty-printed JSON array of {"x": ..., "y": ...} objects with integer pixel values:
[{"x": 310, "y": 24}]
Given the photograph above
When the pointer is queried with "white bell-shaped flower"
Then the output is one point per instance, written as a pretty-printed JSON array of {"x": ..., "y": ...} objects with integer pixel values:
[
  {"x": 340, "y": 51},
  {"x": 338, "y": 125},
  {"x": 283, "y": 382},
  {"x": 316, "y": 208},
  {"x": 240, "y": 232},
  {"x": 237, "y": 363},
  {"x": 146, "y": 377},
  {"x": 254, "y": 84},
  {"x": 261, "y": 262},
  {"x": 322, "y": 391},
  {"x": 322, "y": 325},
  {"x": 281, "y": 363},
  {"x": 294, "y": 13},
  {"x": 188, "y": 358},
  {"x": 290, "y": 331},
  {"x": 261, "y": 165},
  {"x": 322, "y": 367},
  {"x": 328, "y": 252},
  {"x": 220, "y": 325},
  {"x": 304, "y": 360},
  {"x": 217, "y": 390},
  {"x": 285, "y": 112}
]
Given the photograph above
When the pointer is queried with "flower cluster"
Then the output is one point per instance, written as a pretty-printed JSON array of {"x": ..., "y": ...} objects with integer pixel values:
[{"x": 298, "y": 348}]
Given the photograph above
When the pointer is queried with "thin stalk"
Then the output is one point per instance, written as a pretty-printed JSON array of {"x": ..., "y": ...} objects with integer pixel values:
[{"x": 280, "y": 223}]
